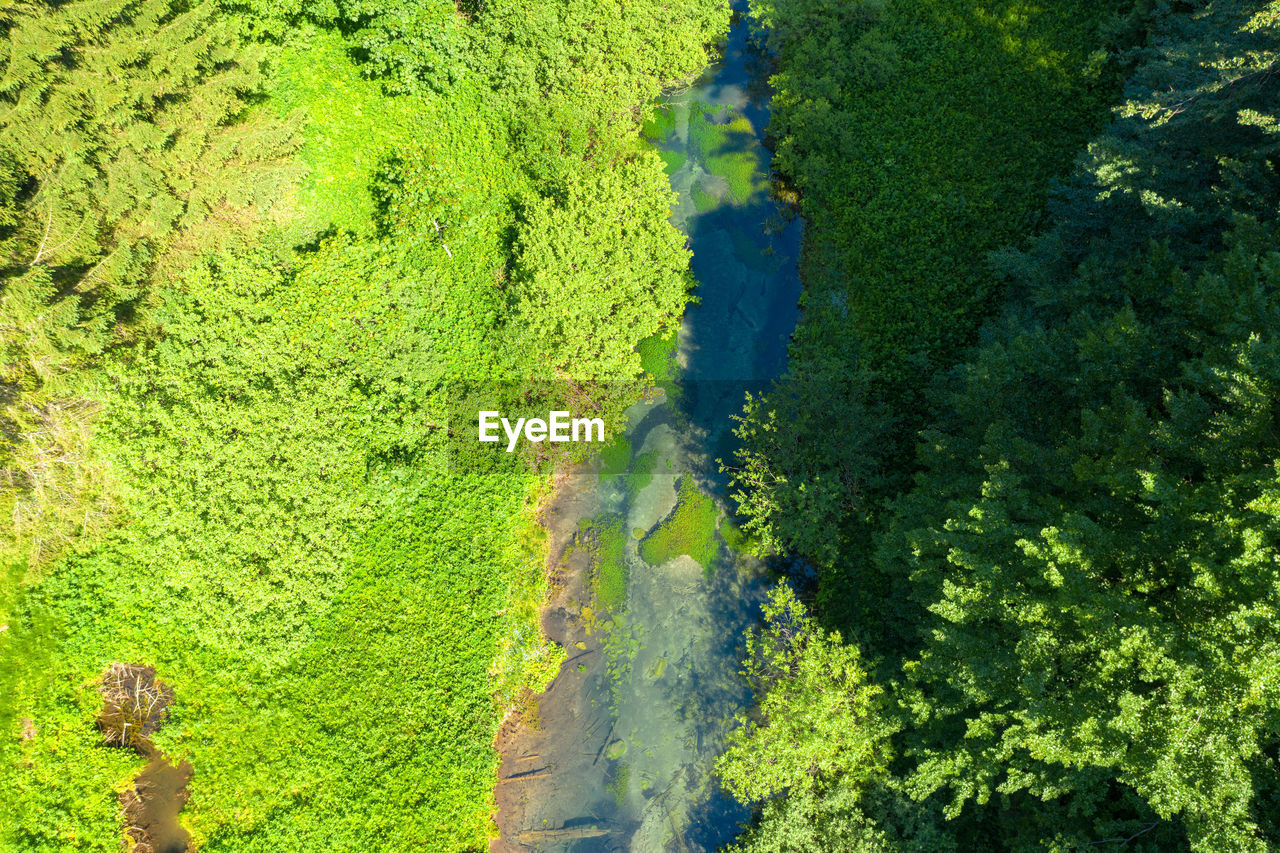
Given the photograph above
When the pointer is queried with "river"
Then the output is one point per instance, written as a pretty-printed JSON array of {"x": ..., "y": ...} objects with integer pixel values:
[{"x": 652, "y": 602}]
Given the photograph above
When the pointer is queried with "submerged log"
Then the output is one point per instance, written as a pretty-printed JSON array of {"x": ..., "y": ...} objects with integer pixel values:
[{"x": 544, "y": 836}]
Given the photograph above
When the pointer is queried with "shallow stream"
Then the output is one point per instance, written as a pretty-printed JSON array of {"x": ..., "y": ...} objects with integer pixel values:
[{"x": 654, "y": 600}]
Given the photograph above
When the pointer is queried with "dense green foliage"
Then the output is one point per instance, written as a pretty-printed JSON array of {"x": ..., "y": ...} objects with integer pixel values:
[
  {"x": 817, "y": 715},
  {"x": 128, "y": 141},
  {"x": 920, "y": 136},
  {"x": 1029, "y": 439},
  {"x": 1072, "y": 604},
  {"x": 228, "y": 424}
]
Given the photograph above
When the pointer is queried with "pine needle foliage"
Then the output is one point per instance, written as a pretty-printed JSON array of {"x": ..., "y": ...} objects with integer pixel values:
[{"x": 128, "y": 142}]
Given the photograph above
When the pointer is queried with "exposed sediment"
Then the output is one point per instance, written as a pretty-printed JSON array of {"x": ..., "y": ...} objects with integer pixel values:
[{"x": 135, "y": 704}]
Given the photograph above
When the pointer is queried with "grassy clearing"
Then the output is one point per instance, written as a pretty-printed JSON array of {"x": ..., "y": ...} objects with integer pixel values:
[{"x": 350, "y": 126}]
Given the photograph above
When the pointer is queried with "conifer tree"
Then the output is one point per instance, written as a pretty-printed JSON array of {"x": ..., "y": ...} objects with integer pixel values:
[{"x": 127, "y": 137}]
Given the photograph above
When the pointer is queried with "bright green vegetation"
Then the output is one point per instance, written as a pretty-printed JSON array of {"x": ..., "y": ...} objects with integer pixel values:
[
  {"x": 620, "y": 782},
  {"x": 703, "y": 200},
  {"x": 658, "y": 130},
  {"x": 723, "y": 142},
  {"x": 1060, "y": 632},
  {"x": 658, "y": 357},
  {"x": 247, "y": 248},
  {"x": 672, "y": 161},
  {"x": 818, "y": 715},
  {"x": 661, "y": 125},
  {"x": 689, "y": 529},
  {"x": 640, "y": 475},
  {"x": 607, "y": 542},
  {"x": 353, "y": 127},
  {"x": 615, "y": 458}
]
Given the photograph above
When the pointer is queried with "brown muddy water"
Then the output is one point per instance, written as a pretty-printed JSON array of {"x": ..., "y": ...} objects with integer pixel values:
[
  {"x": 135, "y": 704},
  {"x": 152, "y": 805}
]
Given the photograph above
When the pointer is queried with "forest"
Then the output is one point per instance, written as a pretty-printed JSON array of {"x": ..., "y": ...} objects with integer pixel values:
[
  {"x": 1048, "y": 621},
  {"x": 1018, "y": 488}
]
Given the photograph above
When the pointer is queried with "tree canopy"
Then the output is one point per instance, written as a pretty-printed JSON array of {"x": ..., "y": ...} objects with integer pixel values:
[{"x": 1071, "y": 602}]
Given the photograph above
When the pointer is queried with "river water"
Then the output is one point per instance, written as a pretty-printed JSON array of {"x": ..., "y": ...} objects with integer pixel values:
[{"x": 652, "y": 601}]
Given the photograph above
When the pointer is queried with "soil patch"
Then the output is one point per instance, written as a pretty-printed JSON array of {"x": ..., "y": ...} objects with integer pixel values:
[
  {"x": 135, "y": 704},
  {"x": 526, "y": 741}
]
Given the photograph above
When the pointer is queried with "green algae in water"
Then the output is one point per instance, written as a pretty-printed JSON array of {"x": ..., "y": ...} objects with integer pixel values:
[
  {"x": 660, "y": 125},
  {"x": 614, "y": 458},
  {"x": 616, "y": 750},
  {"x": 727, "y": 150},
  {"x": 732, "y": 535},
  {"x": 741, "y": 170},
  {"x": 672, "y": 161},
  {"x": 641, "y": 473},
  {"x": 707, "y": 136},
  {"x": 622, "y": 642},
  {"x": 689, "y": 529},
  {"x": 703, "y": 200},
  {"x": 607, "y": 541},
  {"x": 620, "y": 782},
  {"x": 737, "y": 539}
]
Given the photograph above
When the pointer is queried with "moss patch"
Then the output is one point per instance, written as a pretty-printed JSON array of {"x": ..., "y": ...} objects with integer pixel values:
[
  {"x": 689, "y": 529},
  {"x": 703, "y": 200},
  {"x": 710, "y": 136},
  {"x": 728, "y": 150},
  {"x": 641, "y": 473},
  {"x": 740, "y": 169},
  {"x": 606, "y": 539},
  {"x": 620, "y": 782},
  {"x": 660, "y": 125},
  {"x": 672, "y": 160}
]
